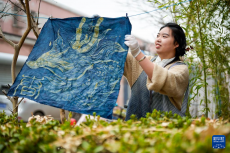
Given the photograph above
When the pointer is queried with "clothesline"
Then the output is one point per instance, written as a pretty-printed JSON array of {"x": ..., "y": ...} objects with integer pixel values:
[{"x": 128, "y": 16}]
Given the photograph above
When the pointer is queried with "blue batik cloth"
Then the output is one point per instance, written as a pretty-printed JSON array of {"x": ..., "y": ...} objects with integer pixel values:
[{"x": 76, "y": 64}]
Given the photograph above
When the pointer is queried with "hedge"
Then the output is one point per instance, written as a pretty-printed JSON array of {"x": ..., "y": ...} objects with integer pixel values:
[{"x": 158, "y": 132}]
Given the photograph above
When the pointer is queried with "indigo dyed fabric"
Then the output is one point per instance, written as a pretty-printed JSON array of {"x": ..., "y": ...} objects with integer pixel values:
[{"x": 76, "y": 64}]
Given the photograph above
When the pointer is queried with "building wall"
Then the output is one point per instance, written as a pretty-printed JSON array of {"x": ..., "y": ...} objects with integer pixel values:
[
  {"x": 13, "y": 32},
  {"x": 47, "y": 9},
  {"x": 4, "y": 70},
  {"x": 6, "y": 48}
]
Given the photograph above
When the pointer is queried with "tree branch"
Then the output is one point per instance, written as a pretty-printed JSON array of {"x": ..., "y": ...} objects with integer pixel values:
[
  {"x": 28, "y": 25},
  {"x": 38, "y": 11},
  {"x": 23, "y": 4},
  {"x": 5, "y": 39},
  {"x": 18, "y": 104},
  {"x": 62, "y": 115},
  {"x": 17, "y": 6},
  {"x": 35, "y": 27},
  {"x": 19, "y": 45},
  {"x": 33, "y": 22},
  {"x": 4, "y": 92},
  {"x": 3, "y": 10},
  {"x": 5, "y": 14}
]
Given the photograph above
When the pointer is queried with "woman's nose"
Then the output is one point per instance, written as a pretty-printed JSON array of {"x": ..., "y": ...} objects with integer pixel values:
[{"x": 158, "y": 39}]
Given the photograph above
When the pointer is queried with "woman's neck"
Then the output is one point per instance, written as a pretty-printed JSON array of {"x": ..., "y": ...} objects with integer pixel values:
[{"x": 166, "y": 56}]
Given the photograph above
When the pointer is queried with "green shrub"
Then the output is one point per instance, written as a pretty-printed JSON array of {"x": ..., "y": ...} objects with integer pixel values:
[{"x": 158, "y": 132}]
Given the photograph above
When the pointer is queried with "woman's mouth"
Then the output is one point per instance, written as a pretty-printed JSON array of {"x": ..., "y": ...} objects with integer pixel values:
[{"x": 158, "y": 46}]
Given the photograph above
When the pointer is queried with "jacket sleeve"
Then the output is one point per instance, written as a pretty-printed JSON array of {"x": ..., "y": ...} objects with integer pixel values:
[
  {"x": 128, "y": 66},
  {"x": 172, "y": 82}
]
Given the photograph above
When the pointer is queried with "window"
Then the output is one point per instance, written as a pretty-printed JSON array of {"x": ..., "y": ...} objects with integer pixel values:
[
  {"x": 1, "y": 7},
  {"x": 34, "y": 14},
  {"x": 15, "y": 18},
  {"x": 18, "y": 21}
]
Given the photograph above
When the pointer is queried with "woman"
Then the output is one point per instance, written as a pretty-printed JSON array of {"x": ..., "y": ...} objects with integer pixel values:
[{"x": 158, "y": 82}]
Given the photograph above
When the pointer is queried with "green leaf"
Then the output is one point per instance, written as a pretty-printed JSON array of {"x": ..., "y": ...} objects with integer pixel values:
[
  {"x": 85, "y": 145},
  {"x": 161, "y": 6},
  {"x": 1, "y": 146},
  {"x": 98, "y": 149}
]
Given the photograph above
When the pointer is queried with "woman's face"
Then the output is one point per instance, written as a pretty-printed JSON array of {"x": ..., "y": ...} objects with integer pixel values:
[{"x": 164, "y": 42}]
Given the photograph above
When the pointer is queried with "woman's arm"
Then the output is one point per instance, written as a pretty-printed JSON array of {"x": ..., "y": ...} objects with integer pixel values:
[
  {"x": 146, "y": 64},
  {"x": 172, "y": 82},
  {"x": 132, "y": 69}
]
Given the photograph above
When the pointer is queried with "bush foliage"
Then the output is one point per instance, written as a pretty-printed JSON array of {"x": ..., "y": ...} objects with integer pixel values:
[{"x": 158, "y": 132}]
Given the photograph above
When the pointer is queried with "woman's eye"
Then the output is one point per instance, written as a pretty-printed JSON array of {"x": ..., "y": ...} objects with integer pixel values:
[{"x": 164, "y": 36}]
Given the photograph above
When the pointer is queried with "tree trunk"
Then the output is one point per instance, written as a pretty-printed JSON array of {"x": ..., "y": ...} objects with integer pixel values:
[{"x": 62, "y": 115}]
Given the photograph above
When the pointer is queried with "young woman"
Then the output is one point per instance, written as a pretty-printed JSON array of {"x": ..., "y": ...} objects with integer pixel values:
[{"x": 158, "y": 82}]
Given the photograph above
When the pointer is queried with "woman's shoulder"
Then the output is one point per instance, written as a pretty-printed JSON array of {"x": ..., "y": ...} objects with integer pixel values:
[
  {"x": 178, "y": 66},
  {"x": 176, "y": 63}
]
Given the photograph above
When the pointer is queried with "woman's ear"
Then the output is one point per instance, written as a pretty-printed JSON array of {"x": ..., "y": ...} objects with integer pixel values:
[{"x": 176, "y": 45}]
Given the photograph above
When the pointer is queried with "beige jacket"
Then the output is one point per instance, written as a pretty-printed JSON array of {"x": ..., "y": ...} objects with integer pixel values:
[{"x": 172, "y": 83}]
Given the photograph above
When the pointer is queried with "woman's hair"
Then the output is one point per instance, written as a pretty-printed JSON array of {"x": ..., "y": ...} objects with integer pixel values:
[{"x": 179, "y": 37}]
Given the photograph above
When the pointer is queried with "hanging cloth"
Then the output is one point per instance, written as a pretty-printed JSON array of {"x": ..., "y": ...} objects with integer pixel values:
[{"x": 76, "y": 64}]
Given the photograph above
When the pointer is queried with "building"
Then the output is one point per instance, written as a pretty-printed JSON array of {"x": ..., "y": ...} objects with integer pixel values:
[{"x": 14, "y": 26}]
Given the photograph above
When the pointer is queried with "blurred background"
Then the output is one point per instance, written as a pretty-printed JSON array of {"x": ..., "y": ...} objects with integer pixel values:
[{"x": 146, "y": 17}]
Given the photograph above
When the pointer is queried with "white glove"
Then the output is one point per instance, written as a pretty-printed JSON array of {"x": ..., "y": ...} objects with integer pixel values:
[{"x": 132, "y": 43}]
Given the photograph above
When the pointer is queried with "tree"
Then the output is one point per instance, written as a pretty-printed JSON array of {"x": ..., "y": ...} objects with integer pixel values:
[
  {"x": 206, "y": 24},
  {"x": 32, "y": 24},
  {"x": 207, "y": 29}
]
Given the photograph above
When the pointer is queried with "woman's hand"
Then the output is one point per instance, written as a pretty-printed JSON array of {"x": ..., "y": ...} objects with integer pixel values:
[
  {"x": 145, "y": 63},
  {"x": 132, "y": 43}
]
